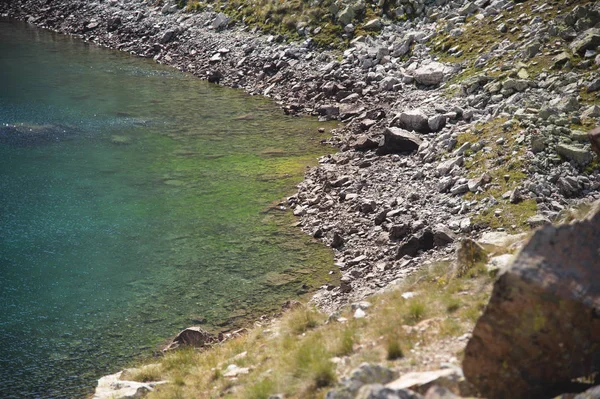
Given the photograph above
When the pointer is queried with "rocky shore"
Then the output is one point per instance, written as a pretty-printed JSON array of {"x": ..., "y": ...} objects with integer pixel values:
[{"x": 468, "y": 117}]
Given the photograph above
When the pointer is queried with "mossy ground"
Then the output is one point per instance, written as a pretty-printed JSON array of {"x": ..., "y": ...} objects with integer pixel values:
[
  {"x": 287, "y": 17},
  {"x": 504, "y": 162},
  {"x": 482, "y": 37},
  {"x": 302, "y": 354}
]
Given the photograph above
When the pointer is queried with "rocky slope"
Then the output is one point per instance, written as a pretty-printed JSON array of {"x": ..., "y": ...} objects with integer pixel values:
[{"x": 465, "y": 117}]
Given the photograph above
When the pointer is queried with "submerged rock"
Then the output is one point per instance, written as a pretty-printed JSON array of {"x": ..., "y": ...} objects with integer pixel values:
[
  {"x": 541, "y": 326},
  {"x": 31, "y": 134}
]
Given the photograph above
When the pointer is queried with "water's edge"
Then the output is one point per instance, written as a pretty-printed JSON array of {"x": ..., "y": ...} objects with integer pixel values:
[{"x": 305, "y": 296}]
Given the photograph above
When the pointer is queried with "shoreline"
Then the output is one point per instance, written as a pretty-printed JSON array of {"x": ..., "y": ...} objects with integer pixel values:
[
  {"x": 390, "y": 200},
  {"x": 399, "y": 192}
]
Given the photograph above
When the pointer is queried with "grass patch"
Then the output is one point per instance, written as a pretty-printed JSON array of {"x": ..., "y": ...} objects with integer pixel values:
[
  {"x": 294, "y": 356},
  {"x": 147, "y": 373},
  {"x": 302, "y": 320},
  {"x": 503, "y": 160}
]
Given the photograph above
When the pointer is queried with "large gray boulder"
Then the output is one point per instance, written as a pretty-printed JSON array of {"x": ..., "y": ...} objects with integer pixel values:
[
  {"x": 574, "y": 153},
  {"x": 588, "y": 40},
  {"x": 396, "y": 140},
  {"x": 431, "y": 74},
  {"x": 415, "y": 120},
  {"x": 192, "y": 336},
  {"x": 541, "y": 327}
]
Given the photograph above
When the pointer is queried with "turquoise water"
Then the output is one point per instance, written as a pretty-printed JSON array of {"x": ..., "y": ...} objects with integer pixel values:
[{"x": 135, "y": 201}]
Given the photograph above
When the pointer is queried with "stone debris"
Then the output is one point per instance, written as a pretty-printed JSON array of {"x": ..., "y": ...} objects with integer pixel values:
[
  {"x": 400, "y": 173},
  {"x": 399, "y": 192}
]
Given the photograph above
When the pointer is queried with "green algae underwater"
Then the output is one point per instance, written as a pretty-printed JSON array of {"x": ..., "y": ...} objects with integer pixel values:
[{"x": 135, "y": 201}]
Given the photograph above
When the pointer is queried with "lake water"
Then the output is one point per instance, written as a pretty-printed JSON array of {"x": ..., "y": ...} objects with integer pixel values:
[{"x": 135, "y": 201}]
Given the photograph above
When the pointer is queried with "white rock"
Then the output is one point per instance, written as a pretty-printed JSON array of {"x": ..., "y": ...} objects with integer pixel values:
[
  {"x": 359, "y": 314},
  {"x": 112, "y": 387}
]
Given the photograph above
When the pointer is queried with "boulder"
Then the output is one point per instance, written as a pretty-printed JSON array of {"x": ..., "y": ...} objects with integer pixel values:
[
  {"x": 192, "y": 336},
  {"x": 346, "y": 16},
  {"x": 442, "y": 236},
  {"x": 365, "y": 374},
  {"x": 574, "y": 153},
  {"x": 446, "y": 166},
  {"x": 541, "y": 327},
  {"x": 112, "y": 387},
  {"x": 364, "y": 143},
  {"x": 515, "y": 84},
  {"x": 167, "y": 36},
  {"x": 422, "y": 241},
  {"x": 593, "y": 111},
  {"x": 414, "y": 120},
  {"x": 431, "y": 74},
  {"x": 220, "y": 22},
  {"x": 396, "y": 140},
  {"x": 436, "y": 122},
  {"x": 421, "y": 381},
  {"x": 588, "y": 40}
]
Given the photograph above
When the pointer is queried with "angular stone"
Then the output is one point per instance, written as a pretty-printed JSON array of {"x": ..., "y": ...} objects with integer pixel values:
[
  {"x": 420, "y": 381},
  {"x": 168, "y": 36},
  {"x": 396, "y": 140},
  {"x": 363, "y": 375},
  {"x": 538, "y": 221},
  {"x": 399, "y": 231},
  {"x": 430, "y": 75},
  {"x": 414, "y": 120},
  {"x": 560, "y": 60},
  {"x": 192, "y": 336},
  {"x": 588, "y": 40},
  {"x": 346, "y": 16},
  {"x": 328, "y": 110},
  {"x": 579, "y": 155},
  {"x": 593, "y": 111},
  {"x": 499, "y": 264},
  {"x": 220, "y": 22},
  {"x": 565, "y": 104},
  {"x": 364, "y": 143},
  {"x": 423, "y": 241},
  {"x": 495, "y": 241},
  {"x": 436, "y": 122},
  {"x": 442, "y": 236},
  {"x": 444, "y": 167},
  {"x": 593, "y": 86},
  {"x": 541, "y": 327},
  {"x": 515, "y": 84}
]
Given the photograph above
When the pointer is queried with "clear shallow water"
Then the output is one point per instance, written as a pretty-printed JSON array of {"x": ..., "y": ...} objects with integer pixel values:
[{"x": 134, "y": 201}]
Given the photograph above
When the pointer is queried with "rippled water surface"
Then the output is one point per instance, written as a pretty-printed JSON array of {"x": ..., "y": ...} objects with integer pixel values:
[{"x": 134, "y": 201}]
